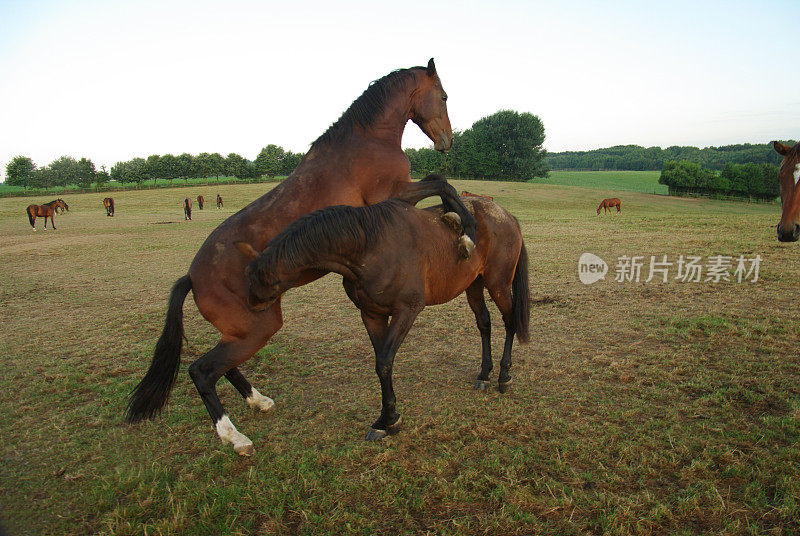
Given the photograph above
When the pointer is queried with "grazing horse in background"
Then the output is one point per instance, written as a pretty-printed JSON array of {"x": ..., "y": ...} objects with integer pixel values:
[
  {"x": 608, "y": 204},
  {"x": 395, "y": 260},
  {"x": 108, "y": 202},
  {"x": 789, "y": 176},
  {"x": 359, "y": 160},
  {"x": 48, "y": 210},
  {"x": 219, "y": 201},
  {"x": 187, "y": 208},
  {"x": 200, "y": 202},
  {"x": 465, "y": 193}
]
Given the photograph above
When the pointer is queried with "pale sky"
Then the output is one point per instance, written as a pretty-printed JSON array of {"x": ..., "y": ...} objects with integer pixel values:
[{"x": 111, "y": 80}]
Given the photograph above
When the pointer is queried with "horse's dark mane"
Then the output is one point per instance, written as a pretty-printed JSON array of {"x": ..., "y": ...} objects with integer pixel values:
[
  {"x": 338, "y": 229},
  {"x": 366, "y": 108}
]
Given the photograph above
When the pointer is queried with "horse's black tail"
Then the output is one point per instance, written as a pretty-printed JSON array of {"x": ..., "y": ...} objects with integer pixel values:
[
  {"x": 112, "y": 205},
  {"x": 521, "y": 297},
  {"x": 30, "y": 217},
  {"x": 151, "y": 394}
]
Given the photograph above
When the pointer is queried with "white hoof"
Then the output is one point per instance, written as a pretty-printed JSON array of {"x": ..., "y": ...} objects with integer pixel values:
[
  {"x": 229, "y": 434},
  {"x": 260, "y": 402}
]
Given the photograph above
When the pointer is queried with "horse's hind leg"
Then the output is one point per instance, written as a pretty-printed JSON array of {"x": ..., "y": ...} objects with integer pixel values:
[
  {"x": 224, "y": 357},
  {"x": 250, "y": 394},
  {"x": 501, "y": 295},
  {"x": 478, "y": 304}
]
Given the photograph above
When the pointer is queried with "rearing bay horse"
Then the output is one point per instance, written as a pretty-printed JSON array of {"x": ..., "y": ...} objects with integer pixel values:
[
  {"x": 357, "y": 161},
  {"x": 789, "y": 176},
  {"x": 48, "y": 210}
]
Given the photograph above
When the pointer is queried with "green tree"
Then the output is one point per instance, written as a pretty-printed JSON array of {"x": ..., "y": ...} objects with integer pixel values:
[
  {"x": 169, "y": 167},
  {"x": 101, "y": 178},
  {"x": 20, "y": 172},
  {"x": 268, "y": 161},
  {"x": 237, "y": 166},
  {"x": 64, "y": 171},
  {"x": 86, "y": 173},
  {"x": 508, "y": 146}
]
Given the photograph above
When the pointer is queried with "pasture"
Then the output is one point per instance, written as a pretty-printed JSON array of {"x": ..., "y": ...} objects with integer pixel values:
[
  {"x": 638, "y": 408},
  {"x": 631, "y": 181}
]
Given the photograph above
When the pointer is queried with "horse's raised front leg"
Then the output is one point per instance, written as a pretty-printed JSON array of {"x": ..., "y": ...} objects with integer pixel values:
[
  {"x": 224, "y": 357},
  {"x": 435, "y": 185},
  {"x": 386, "y": 339},
  {"x": 478, "y": 304}
]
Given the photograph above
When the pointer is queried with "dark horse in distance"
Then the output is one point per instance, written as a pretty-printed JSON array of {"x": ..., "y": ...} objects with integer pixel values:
[
  {"x": 108, "y": 202},
  {"x": 389, "y": 271},
  {"x": 48, "y": 210},
  {"x": 609, "y": 204},
  {"x": 187, "y": 208},
  {"x": 219, "y": 201},
  {"x": 789, "y": 175},
  {"x": 357, "y": 161},
  {"x": 200, "y": 202}
]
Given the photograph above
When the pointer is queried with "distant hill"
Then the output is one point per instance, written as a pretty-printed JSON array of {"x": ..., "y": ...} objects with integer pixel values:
[{"x": 638, "y": 158}]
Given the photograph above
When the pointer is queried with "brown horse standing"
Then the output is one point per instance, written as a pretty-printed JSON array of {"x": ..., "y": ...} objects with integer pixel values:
[
  {"x": 48, "y": 210},
  {"x": 357, "y": 161},
  {"x": 465, "y": 193},
  {"x": 608, "y": 204},
  {"x": 219, "y": 201},
  {"x": 200, "y": 202},
  {"x": 108, "y": 202},
  {"x": 789, "y": 175},
  {"x": 389, "y": 272},
  {"x": 187, "y": 208}
]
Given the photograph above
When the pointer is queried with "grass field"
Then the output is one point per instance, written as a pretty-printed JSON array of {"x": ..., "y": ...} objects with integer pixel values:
[
  {"x": 628, "y": 181},
  {"x": 638, "y": 408}
]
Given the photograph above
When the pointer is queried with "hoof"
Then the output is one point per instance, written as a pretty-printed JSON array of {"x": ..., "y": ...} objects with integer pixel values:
[
  {"x": 244, "y": 449},
  {"x": 465, "y": 247},
  {"x": 481, "y": 385},
  {"x": 452, "y": 220},
  {"x": 375, "y": 434},
  {"x": 504, "y": 386}
]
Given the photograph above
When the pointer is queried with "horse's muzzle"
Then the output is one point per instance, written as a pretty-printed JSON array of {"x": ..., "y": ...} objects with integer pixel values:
[{"x": 790, "y": 236}]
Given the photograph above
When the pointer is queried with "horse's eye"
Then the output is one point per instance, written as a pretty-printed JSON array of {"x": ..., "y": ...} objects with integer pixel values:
[{"x": 444, "y": 97}]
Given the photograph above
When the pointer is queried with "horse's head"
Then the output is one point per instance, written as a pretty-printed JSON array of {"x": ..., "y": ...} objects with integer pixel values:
[
  {"x": 429, "y": 109},
  {"x": 266, "y": 282},
  {"x": 789, "y": 176},
  {"x": 63, "y": 204}
]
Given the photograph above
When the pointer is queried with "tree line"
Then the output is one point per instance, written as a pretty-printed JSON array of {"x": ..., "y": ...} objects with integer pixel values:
[
  {"x": 271, "y": 161},
  {"x": 750, "y": 180},
  {"x": 638, "y": 158}
]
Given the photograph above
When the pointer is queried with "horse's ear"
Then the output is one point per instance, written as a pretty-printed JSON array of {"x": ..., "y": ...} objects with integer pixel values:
[
  {"x": 431, "y": 70},
  {"x": 247, "y": 249},
  {"x": 781, "y": 149}
]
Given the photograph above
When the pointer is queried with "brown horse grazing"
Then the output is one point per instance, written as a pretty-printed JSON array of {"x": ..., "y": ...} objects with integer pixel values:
[
  {"x": 200, "y": 202},
  {"x": 48, "y": 210},
  {"x": 357, "y": 161},
  {"x": 789, "y": 175},
  {"x": 608, "y": 204},
  {"x": 108, "y": 202},
  {"x": 465, "y": 193},
  {"x": 187, "y": 208},
  {"x": 219, "y": 201},
  {"x": 390, "y": 272}
]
